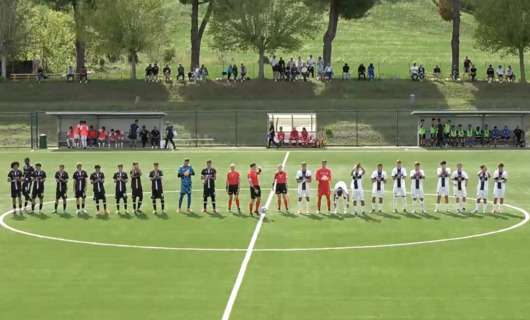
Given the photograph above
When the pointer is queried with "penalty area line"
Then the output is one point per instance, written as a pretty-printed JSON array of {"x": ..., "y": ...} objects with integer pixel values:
[{"x": 248, "y": 254}]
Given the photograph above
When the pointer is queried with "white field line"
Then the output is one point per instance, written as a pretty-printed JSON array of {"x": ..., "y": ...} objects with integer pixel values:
[
  {"x": 242, "y": 270},
  {"x": 375, "y": 246}
]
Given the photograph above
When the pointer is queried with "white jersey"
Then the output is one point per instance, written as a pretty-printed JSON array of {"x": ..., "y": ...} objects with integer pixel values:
[
  {"x": 460, "y": 179},
  {"x": 341, "y": 185},
  {"x": 499, "y": 179},
  {"x": 303, "y": 178},
  {"x": 399, "y": 175},
  {"x": 482, "y": 184},
  {"x": 444, "y": 176},
  {"x": 416, "y": 185},
  {"x": 357, "y": 184},
  {"x": 378, "y": 183}
]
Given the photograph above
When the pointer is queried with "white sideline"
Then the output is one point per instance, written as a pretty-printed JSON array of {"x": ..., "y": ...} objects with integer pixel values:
[{"x": 242, "y": 270}]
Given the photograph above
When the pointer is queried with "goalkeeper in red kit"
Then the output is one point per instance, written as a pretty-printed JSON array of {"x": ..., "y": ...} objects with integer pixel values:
[{"x": 323, "y": 177}]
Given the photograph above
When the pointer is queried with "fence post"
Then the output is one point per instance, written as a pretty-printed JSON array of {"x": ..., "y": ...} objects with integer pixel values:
[
  {"x": 236, "y": 123},
  {"x": 357, "y": 128},
  {"x": 31, "y": 130},
  {"x": 397, "y": 128},
  {"x": 196, "y": 129}
]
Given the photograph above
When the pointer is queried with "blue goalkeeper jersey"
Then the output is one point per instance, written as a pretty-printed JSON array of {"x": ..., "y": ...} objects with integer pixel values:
[{"x": 185, "y": 181}]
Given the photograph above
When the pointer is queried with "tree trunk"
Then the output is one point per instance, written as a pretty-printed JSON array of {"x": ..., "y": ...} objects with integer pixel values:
[
  {"x": 132, "y": 61},
  {"x": 331, "y": 32},
  {"x": 261, "y": 72},
  {"x": 522, "y": 66},
  {"x": 198, "y": 31},
  {"x": 3, "y": 62},
  {"x": 80, "y": 45},
  {"x": 455, "y": 41}
]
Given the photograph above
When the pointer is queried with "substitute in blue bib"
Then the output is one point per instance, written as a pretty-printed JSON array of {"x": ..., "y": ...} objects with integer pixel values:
[{"x": 184, "y": 173}]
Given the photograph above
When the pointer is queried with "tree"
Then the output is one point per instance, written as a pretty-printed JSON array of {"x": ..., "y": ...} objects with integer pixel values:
[
  {"x": 261, "y": 25},
  {"x": 512, "y": 36},
  {"x": 8, "y": 25},
  {"x": 79, "y": 8},
  {"x": 346, "y": 9},
  {"x": 450, "y": 11},
  {"x": 129, "y": 27},
  {"x": 197, "y": 30}
]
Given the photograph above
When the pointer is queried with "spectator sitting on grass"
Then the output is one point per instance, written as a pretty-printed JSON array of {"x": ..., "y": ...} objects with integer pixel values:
[
  {"x": 437, "y": 72},
  {"x": 421, "y": 72},
  {"x": 180, "y": 72},
  {"x": 361, "y": 72},
  {"x": 311, "y": 66},
  {"x": 70, "y": 74},
  {"x": 346, "y": 72},
  {"x": 510, "y": 76},
  {"x": 40, "y": 74},
  {"x": 473, "y": 72},
  {"x": 204, "y": 72},
  {"x": 167, "y": 73},
  {"x": 414, "y": 72},
  {"x": 83, "y": 75},
  {"x": 490, "y": 74},
  {"x": 371, "y": 72},
  {"x": 500, "y": 73}
]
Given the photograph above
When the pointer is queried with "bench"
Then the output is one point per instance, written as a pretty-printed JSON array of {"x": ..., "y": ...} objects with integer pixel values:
[{"x": 288, "y": 143}]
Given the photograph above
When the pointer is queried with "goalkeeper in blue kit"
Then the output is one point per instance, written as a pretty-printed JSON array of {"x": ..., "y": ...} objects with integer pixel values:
[{"x": 184, "y": 173}]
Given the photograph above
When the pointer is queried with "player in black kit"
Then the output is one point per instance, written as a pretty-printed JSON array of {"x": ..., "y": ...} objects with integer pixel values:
[
  {"x": 80, "y": 177},
  {"x": 39, "y": 177},
  {"x": 208, "y": 176},
  {"x": 120, "y": 179},
  {"x": 136, "y": 187},
  {"x": 61, "y": 177},
  {"x": 14, "y": 177},
  {"x": 97, "y": 178},
  {"x": 26, "y": 182},
  {"x": 157, "y": 191}
]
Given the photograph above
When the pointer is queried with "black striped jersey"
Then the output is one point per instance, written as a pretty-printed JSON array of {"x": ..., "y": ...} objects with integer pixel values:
[
  {"x": 79, "y": 178},
  {"x": 28, "y": 173},
  {"x": 156, "y": 180},
  {"x": 38, "y": 179},
  {"x": 98, "y": 182},
  {"x": 120, "y": 178},
  {"x": 208, "y": 175},
  {"x": 61, "y": 177},
  {"x": 15, "y": 177},
  {"x": 483, "y": 177},
  {"x": 136, "y": 181}
]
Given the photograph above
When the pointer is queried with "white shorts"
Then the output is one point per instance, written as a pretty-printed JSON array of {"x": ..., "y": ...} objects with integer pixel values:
[
  {"x": 482, "y": 194},
  {"x": 417, "y": 193},
  {"x": 459, "y": 193},
  {"x": 499, "y": 193},
  {"x": 399, "y": 192},
  {"x": 304, "y": 193},
  {"x": 443, "y": 191},
  {"x": 378, "y": 193},
  {"x": 358, "y": 195}
]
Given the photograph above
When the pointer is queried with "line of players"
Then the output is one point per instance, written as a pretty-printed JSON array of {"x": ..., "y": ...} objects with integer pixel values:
[{"x": 29, "y": 182}]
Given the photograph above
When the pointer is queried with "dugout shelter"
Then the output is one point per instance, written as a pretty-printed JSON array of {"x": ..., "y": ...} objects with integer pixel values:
[
  {"x": 109, "y": 120},
  {"x": 288, "y": 121},
  {"x": 492, "y": 118}
]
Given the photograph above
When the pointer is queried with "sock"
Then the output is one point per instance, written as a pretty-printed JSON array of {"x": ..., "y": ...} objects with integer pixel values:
[
  {"x": 319, "y": 202},
  {"x": 230, "y": 203},
  {"x": 258, "y": 202},
  {"x": 32, "y": 206},
  {"x": 56, "y": 205},
  {"x": 97, "y": 206},
  {"x": 125, "y": 205},
  {"x": 380, "y": 206},
  {"x": 154, "y": 205},
  {"x": 436, "y": 206},
  {"x": 162, "y": 203},
  {"x": 40, "y": 205},
  {"x": 64, "y": 205},
  {"x": 205, "y": 202},
  {"x": 404, "y": 200},
  {"x": 422, "y": 205},
  {"x": 83, "y": 204},
  {"x": 189, "y": 200},
  {"x": 250, "y": 207},
  {"x": 78, "y": 206},
  {"x": 373, "y": 205},
  {"x": 139, "y": 204},
  {"x": 237, "y": 203},
  {"x": 213, "y": 203},
  {"x": 279, "y": 204},
  {"x": 286, "y": 203},
  {"x": 181, "y": 198},
  {"x": 134, "y": 204},
  {"x": 328, "y": 202},
  {"x": 118, "y": 206},
  {"x": 299, "y": 204},
  {"x": 104, "y": 205}
]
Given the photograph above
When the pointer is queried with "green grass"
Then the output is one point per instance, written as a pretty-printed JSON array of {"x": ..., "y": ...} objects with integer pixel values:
[{"x": 482, "y": 278}]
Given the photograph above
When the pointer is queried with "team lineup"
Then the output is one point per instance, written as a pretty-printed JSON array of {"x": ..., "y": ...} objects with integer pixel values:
[{"x": 28, "y": 185}]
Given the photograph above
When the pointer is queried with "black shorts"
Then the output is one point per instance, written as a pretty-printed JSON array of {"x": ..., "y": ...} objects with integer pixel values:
[
  {"x": 80, "y": 194},
  {"x": 233, "y": 189},
  {"x": 37, "y": 193},
  {"x": 137, "y": 193},
  {"x": 121, "y": 195},
  {"x": 281, "y": 188},
  {"x": 255, "y": 193},
  {"x": 100, "y": 196},
  {"x": 60, "y": 194},
  {"x": 208, "y": 192},
  {"x": 16, "y": 193},
  {"x": 157, "y": 194}
]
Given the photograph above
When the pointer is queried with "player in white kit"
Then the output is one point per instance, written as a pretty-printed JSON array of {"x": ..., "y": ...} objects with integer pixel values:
[
  {"x": 303, "y": 178},
  {"x": 357, "y": 191},
  {"x": 399, "y": 174},
  {"x": 378, "y": 188},
  {"x": 500, "y": 177},
  {"x": 482, "y": 189},
  {"x": 442, "y": 188},
  {"x": 460, "y": 179},
  {"x": 340, "y": 192},
  {"x": 417, "y": 177}
]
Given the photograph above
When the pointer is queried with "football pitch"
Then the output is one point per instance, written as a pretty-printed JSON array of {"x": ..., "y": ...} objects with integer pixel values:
[{"x": 282, "y": 266}]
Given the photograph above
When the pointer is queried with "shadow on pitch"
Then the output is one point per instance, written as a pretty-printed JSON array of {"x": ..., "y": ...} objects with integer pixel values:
[
  {"x": 367, "y": 217},
  {"x": 192, "y": 215},
  {"x": 312, "y": 216},
  {"x": 388, "y": 216},
  {"x": 510, "y": 215},
  {"x": 65, "y": 215},
  {"x": 496, "y": 216},
  {"x": 216, "y": 215},
  {"x": 162, "y": 216},
  {"x": 125, "y": 216}
]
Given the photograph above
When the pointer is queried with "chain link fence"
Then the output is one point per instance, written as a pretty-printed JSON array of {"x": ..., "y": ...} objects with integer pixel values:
[{"x": 235, "y": 128}]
